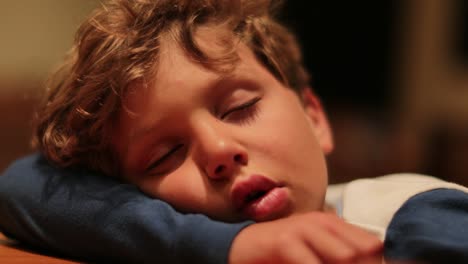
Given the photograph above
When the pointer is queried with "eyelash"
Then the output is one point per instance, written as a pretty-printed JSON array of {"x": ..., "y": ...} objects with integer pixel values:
[
  {"x": 163, "y": 158},
  {"x": 244, "y": 113},
  {"x": 247, "y": 112}
]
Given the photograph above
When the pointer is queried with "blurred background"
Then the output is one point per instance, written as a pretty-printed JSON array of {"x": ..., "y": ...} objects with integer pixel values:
[{"x": 392, "y": 75}]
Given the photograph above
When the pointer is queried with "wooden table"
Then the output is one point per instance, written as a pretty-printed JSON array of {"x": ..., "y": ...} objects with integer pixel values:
[{"x": 13, "y": 252}]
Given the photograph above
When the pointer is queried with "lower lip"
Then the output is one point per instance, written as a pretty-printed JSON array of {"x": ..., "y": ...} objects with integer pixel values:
[{"x": 271, "y": 205}]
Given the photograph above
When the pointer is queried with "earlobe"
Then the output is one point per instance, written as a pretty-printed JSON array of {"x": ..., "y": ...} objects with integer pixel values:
[{"x": 315, "y": 112}]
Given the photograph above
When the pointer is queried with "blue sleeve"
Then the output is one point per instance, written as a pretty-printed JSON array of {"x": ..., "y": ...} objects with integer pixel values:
[
  {"x": 431, "y": 227},
  {"x": 90, "y": 217}
]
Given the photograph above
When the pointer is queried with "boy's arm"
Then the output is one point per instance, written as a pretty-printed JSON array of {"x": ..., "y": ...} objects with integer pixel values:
[
  {"x": 431, "y": 227},
  {"x": 95, "y": 218}
]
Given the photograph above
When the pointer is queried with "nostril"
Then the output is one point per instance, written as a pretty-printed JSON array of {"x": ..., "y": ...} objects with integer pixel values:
[
  {"x": 239, "y": 158},
  {"x": 219, "y": 169}
]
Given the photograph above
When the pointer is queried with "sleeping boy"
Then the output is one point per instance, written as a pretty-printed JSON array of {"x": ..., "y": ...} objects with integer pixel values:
[{"x": 205, "y": 107}]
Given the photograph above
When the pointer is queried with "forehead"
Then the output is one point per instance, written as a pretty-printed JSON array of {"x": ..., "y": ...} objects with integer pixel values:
[
  {"x": 178, "y": 80},
  {"x": 212, "y": 47},
  {"x": 175, "y": 68}
]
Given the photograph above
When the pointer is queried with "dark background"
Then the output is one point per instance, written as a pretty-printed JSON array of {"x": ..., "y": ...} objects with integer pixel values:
[
  {"x": 351, "y": 49},
  {"x": 461, "y": 49},
  {"x": 347, "y": 47}
]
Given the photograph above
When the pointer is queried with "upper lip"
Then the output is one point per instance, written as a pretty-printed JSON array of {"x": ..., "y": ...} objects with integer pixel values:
[{"x": 252, "y": 185}]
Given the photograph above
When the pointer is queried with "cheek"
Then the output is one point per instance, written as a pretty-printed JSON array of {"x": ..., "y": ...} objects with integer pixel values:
[
  {"x": 284, "y": 134},
  {"x": 180, "y": 188},
  {"x": 186, "y": 190},
  {"x": 286, "y": 144},
  {"x": 291, "y": 153}
]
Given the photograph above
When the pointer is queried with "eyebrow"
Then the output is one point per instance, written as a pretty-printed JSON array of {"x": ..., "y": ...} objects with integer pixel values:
[{"x": 214, "y": 88}]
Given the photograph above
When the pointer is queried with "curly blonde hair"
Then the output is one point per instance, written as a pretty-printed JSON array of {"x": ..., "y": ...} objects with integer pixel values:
[{"x": 119, "y": 44}]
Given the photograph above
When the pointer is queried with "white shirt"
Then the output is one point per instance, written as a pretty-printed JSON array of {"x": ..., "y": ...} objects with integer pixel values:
[{"x": 371, "y": 203}]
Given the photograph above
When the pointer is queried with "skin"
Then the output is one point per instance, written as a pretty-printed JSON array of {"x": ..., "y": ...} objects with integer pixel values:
[
  {"x": 188, "y": 122},
  {"x": 194, "y": 113}
]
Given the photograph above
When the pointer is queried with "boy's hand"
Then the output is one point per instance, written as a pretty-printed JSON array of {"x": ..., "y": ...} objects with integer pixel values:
[{"x": 314, "y": 237}]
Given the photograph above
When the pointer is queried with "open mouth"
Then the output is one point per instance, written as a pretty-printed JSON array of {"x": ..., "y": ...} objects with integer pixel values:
[
  {"x": 254, "y": 196},
  {"x": 251, "y": 190}
]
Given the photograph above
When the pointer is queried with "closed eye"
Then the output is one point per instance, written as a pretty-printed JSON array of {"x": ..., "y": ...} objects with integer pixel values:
[
  {"x": 242, "y": 113},
  {"x": 161, "y": 160}
]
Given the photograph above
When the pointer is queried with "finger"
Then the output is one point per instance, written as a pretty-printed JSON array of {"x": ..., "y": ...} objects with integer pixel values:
[
  {"x": 297, "y": 252},
  {"x": 372, "y": 259},
  {"x": 356, "y": 237},
  {"x": 328, "y": 246}
]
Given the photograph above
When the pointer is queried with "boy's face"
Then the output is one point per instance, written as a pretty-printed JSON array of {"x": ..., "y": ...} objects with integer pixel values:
[{"x": 233, "y": 148}]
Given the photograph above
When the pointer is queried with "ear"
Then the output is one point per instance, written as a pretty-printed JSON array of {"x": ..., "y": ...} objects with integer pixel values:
[{"x": 315, "y": 112}]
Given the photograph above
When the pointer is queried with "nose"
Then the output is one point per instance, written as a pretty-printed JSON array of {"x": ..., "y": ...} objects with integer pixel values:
[{"x": 218, "y": 153}]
